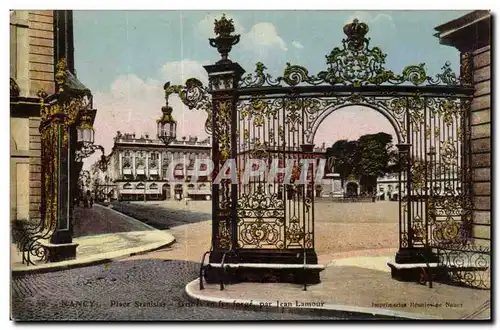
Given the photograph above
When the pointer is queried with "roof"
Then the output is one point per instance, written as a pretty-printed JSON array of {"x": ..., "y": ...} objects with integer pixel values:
[
  {"x": 470, "y": 18},
  {"x": 75, "y": 85},
  {"x": 456, "y": 29}
]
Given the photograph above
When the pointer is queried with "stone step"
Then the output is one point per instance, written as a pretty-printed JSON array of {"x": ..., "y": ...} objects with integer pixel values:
[
  {"x": 270, "y": 266},
  {"x": 465, "y": 266}
]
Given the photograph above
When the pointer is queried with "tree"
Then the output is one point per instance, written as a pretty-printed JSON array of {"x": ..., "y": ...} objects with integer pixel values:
[
  {"x": 375, "y": 158},
  {"x": 345, "y": 155},
  {"x": 369, "y": 157}
]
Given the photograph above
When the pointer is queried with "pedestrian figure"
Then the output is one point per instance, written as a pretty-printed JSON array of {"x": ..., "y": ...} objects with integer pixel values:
[{"x": 88, "y": 199}]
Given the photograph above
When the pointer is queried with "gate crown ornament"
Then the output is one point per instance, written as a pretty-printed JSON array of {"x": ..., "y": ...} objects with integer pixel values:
[
  {"x": 353, "y": 63},
  {"x": 355, "y": 32},
  {"x": 224, "y": 41}
]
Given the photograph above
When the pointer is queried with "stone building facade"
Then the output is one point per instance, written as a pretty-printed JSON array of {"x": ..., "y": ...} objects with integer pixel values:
[
  {"x": 139, "y": 168},
  {"x": 471, "y": 35},
  {"x": 31, "y": 69}
]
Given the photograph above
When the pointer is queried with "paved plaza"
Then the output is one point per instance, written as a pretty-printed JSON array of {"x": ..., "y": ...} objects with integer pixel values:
[
  {"x": 360, "y": 284},
  {"x": 100, "y": 220},
  {"x": 128, "y": 290},
  {"x": 101, "y": 234},
  {"x": 353, "y": 240},
  {"x": 341, "y": 229}
]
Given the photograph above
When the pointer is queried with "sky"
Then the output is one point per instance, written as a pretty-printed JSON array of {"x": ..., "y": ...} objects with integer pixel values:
[{"x": 125, "y": 57}]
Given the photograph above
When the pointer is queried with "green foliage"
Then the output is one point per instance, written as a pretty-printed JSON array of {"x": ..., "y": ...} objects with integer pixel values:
[
  {"x": 368, "y": 157},
  {"x": 373, "y": 150},
  {"x": 345, "y": 154}
]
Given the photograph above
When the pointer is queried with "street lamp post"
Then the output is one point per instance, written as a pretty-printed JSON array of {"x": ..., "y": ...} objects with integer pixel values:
[{"x": 167, "y": 125}]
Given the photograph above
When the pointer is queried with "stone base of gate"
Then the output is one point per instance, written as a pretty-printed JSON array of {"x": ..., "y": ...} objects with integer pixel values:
[
  {"x": 418, "y": 272},
  {"x": 415, "y": 256},
  {"x": 413, "y": 264},
  {"x": 60, "y": 252},
  {"x": 264, "y": 266}
]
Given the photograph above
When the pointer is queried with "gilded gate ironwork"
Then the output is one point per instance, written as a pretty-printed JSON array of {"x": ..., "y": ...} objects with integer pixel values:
[
  {"x": 257, "y": 116},
  {"x": 58, "y": 113},
  {"x": 32, "y": 234}
]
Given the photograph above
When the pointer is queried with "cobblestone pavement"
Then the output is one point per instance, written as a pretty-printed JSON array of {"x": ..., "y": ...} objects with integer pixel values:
[
  {"x": 102, "y": 220},
  {"x": 165, "y": 215},
  {"x": 126, "y": 290}
]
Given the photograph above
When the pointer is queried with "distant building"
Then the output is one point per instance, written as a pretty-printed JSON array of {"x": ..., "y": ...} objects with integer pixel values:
[
  {"x": 139, "y": 168},
  {"x": 388, "y": 188}
]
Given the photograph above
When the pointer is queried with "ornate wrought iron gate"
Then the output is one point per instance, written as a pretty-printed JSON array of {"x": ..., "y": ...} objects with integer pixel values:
[
  {"x": 256, "y": 116},
  {"x": 31, "y": 235},
  {"x": 50, "y": 238}
]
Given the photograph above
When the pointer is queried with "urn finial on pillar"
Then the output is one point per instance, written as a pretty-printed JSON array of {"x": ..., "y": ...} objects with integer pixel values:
[{"x": 224, "y": 40}]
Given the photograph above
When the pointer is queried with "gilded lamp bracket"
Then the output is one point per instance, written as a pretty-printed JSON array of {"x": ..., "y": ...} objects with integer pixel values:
[{"x": 71, "y": 98}]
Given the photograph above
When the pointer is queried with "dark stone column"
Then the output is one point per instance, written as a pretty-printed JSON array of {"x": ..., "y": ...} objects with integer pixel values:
[
  {"x": 61, "y": 246},
  {"x": 223, "y": 81}
]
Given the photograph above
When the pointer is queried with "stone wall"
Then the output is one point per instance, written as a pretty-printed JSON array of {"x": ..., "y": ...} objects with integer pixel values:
[
  {"x": 41, "y": 51},
  {"x": 41, "y": 75},
  {"x": 33, "y": 69},
  {"x": 481, "y": 146}
]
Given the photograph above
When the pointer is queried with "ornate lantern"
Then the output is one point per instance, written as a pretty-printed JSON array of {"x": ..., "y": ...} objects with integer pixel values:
[
  {"x": 167, "y": 125},
  {"x": 85, "y": 131}
]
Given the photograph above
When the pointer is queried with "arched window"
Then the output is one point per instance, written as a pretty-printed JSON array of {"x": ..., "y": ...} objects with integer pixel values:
[
  {"x": 190, "y": 186},
  {"x": 140, "y": 185},
  {"x": 127, "y": 186},
  {"x": 153, "y": 186}
]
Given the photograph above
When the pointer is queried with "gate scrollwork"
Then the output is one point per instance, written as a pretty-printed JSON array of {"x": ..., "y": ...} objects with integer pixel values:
[{"x": 277, "y": 117}]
